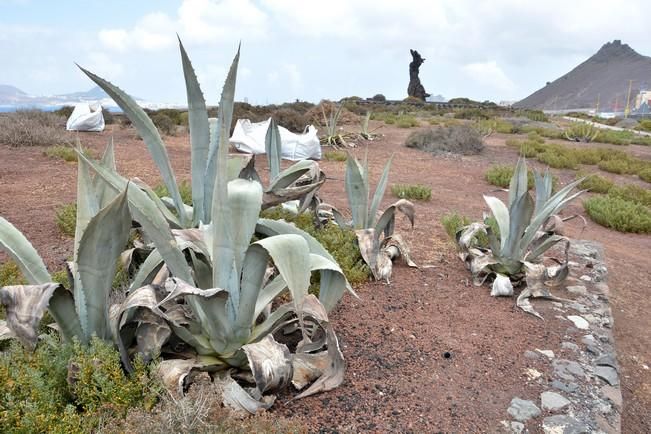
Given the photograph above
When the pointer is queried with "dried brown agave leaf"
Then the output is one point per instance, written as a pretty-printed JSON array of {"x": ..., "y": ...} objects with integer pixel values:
[
  {"x": 242, "y": 401},
  {"x": 25, "y": 306},
  {"x": 270, "y": 363},
  {"x": 175, "y": 374}
]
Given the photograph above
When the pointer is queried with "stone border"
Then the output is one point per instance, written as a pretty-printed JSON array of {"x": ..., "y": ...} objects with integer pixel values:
[{"x": 584, "y": 391}]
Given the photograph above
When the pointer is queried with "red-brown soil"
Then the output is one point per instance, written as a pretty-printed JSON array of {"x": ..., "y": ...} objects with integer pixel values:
[{"x": 396, "y": 339}]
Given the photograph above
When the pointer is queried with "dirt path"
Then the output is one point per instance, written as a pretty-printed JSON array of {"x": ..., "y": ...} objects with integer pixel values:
[{"x": 397, "y": 339}]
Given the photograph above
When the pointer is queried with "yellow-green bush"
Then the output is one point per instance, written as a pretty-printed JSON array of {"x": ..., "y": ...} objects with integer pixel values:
[
  {"x": 500, "y": 176},
  {"x": 335, "y": 156},
  {"x": 341, "y": 243},
  {"x": 66, "y": 218},
  {"x": 632, "y": 193},
  {"x": 10, "y": 274},
  {"x": 615, "y": 166},
  {"x": 595, "y": 183},
  {"x": 412, "y": 191},
  {"x": 619, "y": 214},
  {"x": 406, "y": 121},
  {"x": 645, "y": 174},
  {"x": 557, "y": 160},
  {"x": 39, "y": 395}
]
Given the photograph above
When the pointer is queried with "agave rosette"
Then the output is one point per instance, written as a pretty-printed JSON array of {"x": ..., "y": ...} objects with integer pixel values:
[
  {"x": 527, "y": 229},
  {"x": 378, "y": 243}
]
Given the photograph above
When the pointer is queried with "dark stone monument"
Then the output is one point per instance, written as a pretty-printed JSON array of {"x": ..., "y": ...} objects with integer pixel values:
[{"x": 415, "y": 88}]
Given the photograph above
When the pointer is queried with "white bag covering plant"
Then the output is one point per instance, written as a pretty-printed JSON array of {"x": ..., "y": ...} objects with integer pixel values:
[
  {"x": 203, "y": 295},
  {"x": 378, "y": 243},
  {"x": 300, "y": 180},
  {"x": 527, "y": 229}
]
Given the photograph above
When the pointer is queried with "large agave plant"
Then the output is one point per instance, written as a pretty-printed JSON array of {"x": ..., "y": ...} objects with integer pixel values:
[
  {"x": 526, "y": 232},
  {"x": 81, "y": 310},
  {"x": 296, "y": 182},
  {"x": 378, "y": 243},
  {"x": 217, "y": 302}
]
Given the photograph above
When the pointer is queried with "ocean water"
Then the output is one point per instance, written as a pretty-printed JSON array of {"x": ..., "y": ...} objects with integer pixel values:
[{"x": 45, "y": 108}]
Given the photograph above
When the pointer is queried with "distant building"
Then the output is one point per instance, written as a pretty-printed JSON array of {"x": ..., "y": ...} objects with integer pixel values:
[
  {"x": 506, "y": 103},
  {"x": 644, "y": 97}
]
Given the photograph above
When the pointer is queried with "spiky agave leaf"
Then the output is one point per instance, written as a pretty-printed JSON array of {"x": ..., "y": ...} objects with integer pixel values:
[{"x": 147, "y": 130}]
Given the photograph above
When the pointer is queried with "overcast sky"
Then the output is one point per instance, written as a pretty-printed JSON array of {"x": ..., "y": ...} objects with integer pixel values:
[{"x": 497, "y": 50}]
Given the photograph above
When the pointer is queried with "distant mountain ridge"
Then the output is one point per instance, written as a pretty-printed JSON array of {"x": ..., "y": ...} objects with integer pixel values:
[
  {"x": 604, "y": 77},
  {"x": 12, "y": 97}
]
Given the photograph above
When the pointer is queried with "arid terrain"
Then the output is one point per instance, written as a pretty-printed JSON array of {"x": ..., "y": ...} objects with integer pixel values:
[{"x": 429, "y": 352}]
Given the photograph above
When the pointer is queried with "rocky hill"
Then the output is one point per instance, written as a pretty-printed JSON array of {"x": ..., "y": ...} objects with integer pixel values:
[{"x": 605, "y": 75}]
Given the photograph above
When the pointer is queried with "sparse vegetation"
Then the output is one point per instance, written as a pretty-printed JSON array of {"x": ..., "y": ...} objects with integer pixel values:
[
  {"x": 645, "y": 174},
  {"x": 406, "y": 121},
  {"x": 164, "y": 123},
  {"x": 412, "y": 191},
  {"x": 454, "y": 139},
  {"x": 66, "y": 153},
  {"x": 185, "y": 189},
  {"x": 10, "y": 274},
  {"x": 595, "y": 183},
  {"x": 558, "y": 161},
  {"x": 68, "y": 387},
  {"x": 33, "y": 128}
]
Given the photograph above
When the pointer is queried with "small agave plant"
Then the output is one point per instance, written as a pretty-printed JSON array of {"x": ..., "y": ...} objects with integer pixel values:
[
  {"x": 378, "y": 243},
  {"x": 527, "y": 229},
  {"x": 297, "y": 182}
]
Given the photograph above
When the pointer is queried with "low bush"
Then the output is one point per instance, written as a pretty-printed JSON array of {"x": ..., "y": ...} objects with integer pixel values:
[
  {"x": 66, "y": 218},
  {"x": 615, "y": 166},
  {"x": 64, "y": 111},
  {"x": 632, "y": 193},
  {"x": 406, "y": 121},
  {"x": 501, "y": 176},
  {"x": 412, "y": 191},
  {"x": 644, "y": 124},
  {"x": 341, "y": 243},
  {"x": 547, "y": 132},
  {"x": 33, "y": 128},
  {"x": 41, "y": 394},
  {"x": 453, "y": 222},
  {"x": 165, "y": 124},
  {"x": 109, "y": 119},
  {"x": 557, "y": 160},
  {"x": 291, "y": 119},
  {"x": 534, "y": 137},
  {"x": 335, "y": 156},
  {"x": 536, "y": 115},
  {"x": 645, "y": 174},
  {"x": 455, "y": 139},
  {"x": 66, "y": 153},
  {"x": 595, "y": 183},
  {"x": 472, "y": 113},
  {"x": 379, "y": 97},
  {"x": 619, "y": 214}
]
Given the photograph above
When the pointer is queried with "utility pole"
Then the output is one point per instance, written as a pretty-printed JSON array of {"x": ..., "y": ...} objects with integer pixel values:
[{"x": 627, "y": 110}]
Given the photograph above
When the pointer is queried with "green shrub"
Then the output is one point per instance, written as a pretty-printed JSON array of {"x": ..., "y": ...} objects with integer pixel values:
[
  {"x": 644, "y": 124},
  {"x": 452, "y": 222},
  {"x": 64, "y": 111},
  {"x": 389, "y": 120},
  {"x": 641, "y": 140},
  {"x": 335, "y": 155},
  {"x": 536, "y": 115},
  {"x": 632, "y": 193},
  {"x": 619, "y": 214},
  {"x": 496, "y": 125},
  {"x": 405, "y": 121},
  {"x": 40, "y": 394},
  {"x": 557, "y": 160},
  {"x": 66, "y": 218},
  {"x": 549, "y": 133},
  {"x": 341, "y": 243},
  {"x": 589, "y": 156},
  {"x": 412, "y": 191},
  {"x": 379, "y": 97},
  {"x": 595, "y": 183},
  {"x": 472, "y": 113},
  {"x": 645, "y": 174},
  {"x": 185, "y": 188},
  {"x": 501, "y": 176},
  {"x": 455, "y": 139},
  {"x": 533, "y": 136},
  {"x": 615, "y": 166}
]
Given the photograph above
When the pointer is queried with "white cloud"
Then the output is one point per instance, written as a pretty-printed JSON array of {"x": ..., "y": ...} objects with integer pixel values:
[
  {"x": 206, "y": 21},
  {"x": 489, "y": 74},
  {"x": 102, "y": 65},
  {"x": 114, "y": 39}
]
